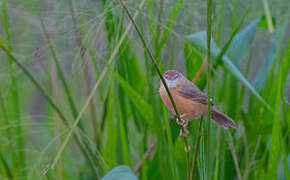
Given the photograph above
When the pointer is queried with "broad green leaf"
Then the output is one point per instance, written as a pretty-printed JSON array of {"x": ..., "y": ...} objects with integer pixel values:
[
  {"x": 262, "y": 75},
  {"x": 199, "y": 41},
  {"x": 120, "y": 173},
  {"x": 230, "y": 40},
  {"x": 241, "y": 42}
]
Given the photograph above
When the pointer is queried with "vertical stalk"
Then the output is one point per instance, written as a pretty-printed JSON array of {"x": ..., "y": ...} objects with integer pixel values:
[
  {"x": 4, "y": 115},
  {"x": 56, "y": 117},
  {"x": 155, "y": 64},
  {"x": 220, "y": 23},
  {"x": 196, "y": 147},
  {"x": 19, "y": 160},
  {"x": 83, "y": 51},
  {"x": 4, "y": 167},
  {"x": 84, "y": 149},
  {"x": 217, "y": 161},
  {"x": 268, "y": 17},
  {"x": 208, "y": 40}
]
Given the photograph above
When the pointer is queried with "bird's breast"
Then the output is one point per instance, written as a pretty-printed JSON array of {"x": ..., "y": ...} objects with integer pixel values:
[{"x": 185, "y": 106}]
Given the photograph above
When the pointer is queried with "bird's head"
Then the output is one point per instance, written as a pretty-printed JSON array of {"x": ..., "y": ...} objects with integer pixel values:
[{"x": 172, "y": 78}]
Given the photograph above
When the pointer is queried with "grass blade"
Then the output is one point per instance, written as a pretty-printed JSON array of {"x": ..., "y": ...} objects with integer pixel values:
[
  {"x": 199, "y": 41},
  {"x": 4, "y": 168},
  {"x": 169, "y": 25},
  {"x": 209, "y": 22},
  {"x": 161, "y": 78},
  {"x": 83, "y": 51},
  {"x": 196, "y": 148},
  {"x": 19, "y": 159},
  {"x": 59, "y": 72},
  {"x": 111, "y": 146},
  {"x": 144, "y": 108},
  {"x": 76, "y": 122},
  {"x": 238, "y": 43},
  {"x": 275, "y": 148},
  {"x": 272, "y": 54},
  {"x": 49, "y": 100}
]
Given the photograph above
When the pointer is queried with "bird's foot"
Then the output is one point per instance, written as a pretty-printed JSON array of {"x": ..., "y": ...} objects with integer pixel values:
[
  {"x": 183, "y": 132},
  {"x": 181, "y": 123}
]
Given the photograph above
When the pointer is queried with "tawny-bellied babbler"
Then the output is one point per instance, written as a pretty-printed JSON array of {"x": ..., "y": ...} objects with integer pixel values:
[{"x": 190, "y": 102}]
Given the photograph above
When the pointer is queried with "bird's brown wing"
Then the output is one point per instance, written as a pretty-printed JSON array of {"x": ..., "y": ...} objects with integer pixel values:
[{"x": 189, "y": 90}]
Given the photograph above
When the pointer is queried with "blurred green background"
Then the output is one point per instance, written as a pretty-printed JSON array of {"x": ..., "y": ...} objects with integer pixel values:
[{"x": 74, "y": 48}]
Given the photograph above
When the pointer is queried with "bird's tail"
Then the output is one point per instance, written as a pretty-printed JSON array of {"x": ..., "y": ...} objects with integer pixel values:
[{"x": 222, "y": 119}]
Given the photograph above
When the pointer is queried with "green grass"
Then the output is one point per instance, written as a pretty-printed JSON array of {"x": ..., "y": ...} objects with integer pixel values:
[
  {"x": 79, "y": 89},
  {"x": 209, "y": 25},
  {"x": 18, "y": 152}
]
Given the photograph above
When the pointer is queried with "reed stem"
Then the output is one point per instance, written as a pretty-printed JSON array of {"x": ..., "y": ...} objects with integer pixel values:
[
  {"x": 208, "y": 40},
  {"x": 198, "y": 136},
  {"x": 161, "y": 78},
  {"x": 81, "y": 144}
]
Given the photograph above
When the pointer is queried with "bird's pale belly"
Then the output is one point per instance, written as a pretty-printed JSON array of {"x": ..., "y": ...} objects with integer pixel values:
[{"x": 187, "y": 108}]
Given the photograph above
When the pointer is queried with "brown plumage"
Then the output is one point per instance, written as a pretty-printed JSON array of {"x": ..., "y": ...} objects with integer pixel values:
[{"x": 191, "y": 103}]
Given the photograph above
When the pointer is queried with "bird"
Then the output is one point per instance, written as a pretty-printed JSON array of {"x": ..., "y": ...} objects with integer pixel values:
[{"x": 190, "y": 101}]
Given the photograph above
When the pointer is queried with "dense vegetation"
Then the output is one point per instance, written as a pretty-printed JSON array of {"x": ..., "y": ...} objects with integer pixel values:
[{"x": 79, "y": 88}]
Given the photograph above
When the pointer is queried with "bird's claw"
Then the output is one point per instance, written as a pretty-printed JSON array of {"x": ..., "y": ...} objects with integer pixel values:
[
  {"x": 183, "y": 132},
  {"x": 181, "y": 123}
]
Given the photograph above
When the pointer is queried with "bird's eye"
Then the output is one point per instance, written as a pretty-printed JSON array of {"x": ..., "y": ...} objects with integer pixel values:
[
  {"x": 176, "y": 76},
  {"x": 165, "y": 76}
]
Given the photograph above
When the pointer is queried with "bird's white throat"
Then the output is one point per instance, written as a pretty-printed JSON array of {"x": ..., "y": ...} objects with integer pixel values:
[{"x": 171, "y": 83}]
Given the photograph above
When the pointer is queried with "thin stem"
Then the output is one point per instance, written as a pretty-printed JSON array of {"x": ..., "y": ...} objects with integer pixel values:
[
  {"x": 18, "y": 158},
  {"x": 4, "y": 115},
  {"x": 236, "y": 161},
  {"x": 83, "y": 51},
  {"x": 59, "y": 71},
  {"x": 187, "y": 157},
  {"x": 217, "y": 161},
  {"x": 73, "y": 108},
  {"x": 146, "y": 155},
  {"x": 252, "y": 161},
  {"x": 268, "y": 17},
  {"x": 151, "y": 58},
  {"x": 161, "y": 78},
  {"x": 209, "y": 25},
  {"x": 228, "y": 43},
  {"x": 198, "y": 136},
  {"x": 102, "y": 75},
  {"x": 27, "y": 73},
  {"x": 200, "y": 70},
  {"x": 57, "y": 122},
  {"x": 50, "y": 101}
]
